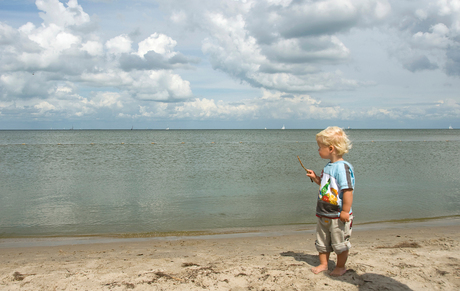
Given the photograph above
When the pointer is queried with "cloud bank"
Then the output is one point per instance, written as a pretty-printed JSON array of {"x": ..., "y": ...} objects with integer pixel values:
[{"x": 67, "y": 67}]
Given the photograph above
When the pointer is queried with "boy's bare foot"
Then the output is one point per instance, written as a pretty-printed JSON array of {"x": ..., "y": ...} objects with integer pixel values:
[
  {"x": 319, "y": 269},
  {"x": 337, "y": 272}
]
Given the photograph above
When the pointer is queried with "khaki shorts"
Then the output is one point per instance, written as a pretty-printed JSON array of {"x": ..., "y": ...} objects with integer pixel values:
[{"x": 333, "y": 235}]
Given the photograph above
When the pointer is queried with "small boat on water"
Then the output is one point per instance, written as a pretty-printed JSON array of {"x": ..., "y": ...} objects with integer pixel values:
[
  {"x": 450, "y": 127},
  {"x": 283, "y": 127}
]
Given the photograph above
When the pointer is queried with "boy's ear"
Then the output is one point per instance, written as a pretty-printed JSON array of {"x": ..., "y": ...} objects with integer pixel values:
[{"x": 331, "y": 148}]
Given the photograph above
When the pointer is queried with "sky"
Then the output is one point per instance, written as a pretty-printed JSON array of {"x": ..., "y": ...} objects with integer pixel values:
[{"x": 221, "y": 64}]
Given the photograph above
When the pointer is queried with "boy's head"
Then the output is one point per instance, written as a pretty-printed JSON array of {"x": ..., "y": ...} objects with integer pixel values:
[{"x": 334, "y": 136}]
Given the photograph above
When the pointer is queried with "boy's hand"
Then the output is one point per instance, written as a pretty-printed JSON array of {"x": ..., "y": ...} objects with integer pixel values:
[
  {"x": 347, "y": 200},
  {"x": 312, "y": 176},
  {"x": 344, "y": 216}
]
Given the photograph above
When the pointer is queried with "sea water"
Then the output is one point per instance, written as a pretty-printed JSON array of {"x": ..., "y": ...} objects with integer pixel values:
[{"x": 88, "y": 182}]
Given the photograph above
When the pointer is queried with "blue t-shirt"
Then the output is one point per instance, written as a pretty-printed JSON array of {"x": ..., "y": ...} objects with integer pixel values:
[{"x": 335, "y": 178}]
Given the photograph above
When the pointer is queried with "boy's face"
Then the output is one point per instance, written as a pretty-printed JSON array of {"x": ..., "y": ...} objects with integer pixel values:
[{"x": 325, "y": 152}]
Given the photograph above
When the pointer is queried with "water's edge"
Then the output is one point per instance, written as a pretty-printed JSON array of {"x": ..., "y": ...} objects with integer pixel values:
[{"x": 280, "y": 230}]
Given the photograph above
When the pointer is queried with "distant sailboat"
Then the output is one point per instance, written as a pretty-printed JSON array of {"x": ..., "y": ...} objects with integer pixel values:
[
  {"x": 167, "y": 128},
  {"x": 283, "y": 127},
  {"x": 450, "y": 127}
]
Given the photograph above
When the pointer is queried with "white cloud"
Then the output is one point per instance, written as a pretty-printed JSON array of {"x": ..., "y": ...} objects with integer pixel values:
[
  {"x": 53, "y": 38},
  {"x": 159, "y": 43},
  {"x": 272, "y": 105},
  {"x": 312, "y": 50},
  {"x": 447, "y": 7},
  {"x": 437, "y": 38},
  {"x": 382, "y": 9},
  {"x": 283, "y": 3},
  {"x": 162, "y": 86},
  {"x": 119, "y": 44},
  {"x": 451, "y": 8},
  {"x": 287, "y": 45},
  {"x": 106, "y": 99},
  {"x": 287, "y": 65},
  {"x": 437, "y": 110},
  {"x": 27, "y": 28},
  {"x": 93, "y": 48},
  {"x": 178, "y": 16},
  {"x": 432, "y": 32},
  {"x": 56, "y": 51},
  {"x": 45, "y": 106},
  {"x": 63, "y": 90},
  {"x": 421, "y": 14},
  {"x": 54, "y": 12}
]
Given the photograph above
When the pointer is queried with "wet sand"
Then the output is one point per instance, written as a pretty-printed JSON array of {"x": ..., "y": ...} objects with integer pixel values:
[{"x": 408, "y": 256}]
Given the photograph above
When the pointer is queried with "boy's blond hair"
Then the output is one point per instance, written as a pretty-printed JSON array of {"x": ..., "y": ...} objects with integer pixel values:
[{"x": 335, "y": 136}]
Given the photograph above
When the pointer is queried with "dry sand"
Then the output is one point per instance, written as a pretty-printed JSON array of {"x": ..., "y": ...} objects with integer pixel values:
[{"x": 412, "y": 256}]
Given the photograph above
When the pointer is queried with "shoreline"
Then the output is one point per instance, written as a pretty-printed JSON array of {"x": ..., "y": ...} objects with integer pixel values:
[
  {"x": 279, "y": 230},
  {"x": 404, "y": 256}
]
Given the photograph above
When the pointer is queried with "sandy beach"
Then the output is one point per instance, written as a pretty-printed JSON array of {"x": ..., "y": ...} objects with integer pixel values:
[{"x": 409, "y": 256}]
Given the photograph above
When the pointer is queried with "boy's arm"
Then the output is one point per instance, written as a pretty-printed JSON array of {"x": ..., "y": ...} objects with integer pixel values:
[{"x": 347, "y": 200}]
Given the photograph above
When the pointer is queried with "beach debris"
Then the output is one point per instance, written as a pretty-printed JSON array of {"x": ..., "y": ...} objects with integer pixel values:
[
  {"x": 405, "y": 266},
  {"x": 116, "y": 284},
  {"x": 19, "y": 277},
  {"x": 304, "y": 167},
  {"x": 129, "y": 285},
  {"x": 184, "y": 265},
  {"x": 200, "y": 272},
  {"x": 164, "y": 275},
  {"x": 441, "y": 272},
  {"x": 443, "y": 243},
  {"x": 404, "y": 244}
]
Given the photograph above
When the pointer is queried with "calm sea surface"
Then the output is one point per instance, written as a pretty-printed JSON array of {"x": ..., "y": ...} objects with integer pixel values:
[{"x": 109, "y": 182}]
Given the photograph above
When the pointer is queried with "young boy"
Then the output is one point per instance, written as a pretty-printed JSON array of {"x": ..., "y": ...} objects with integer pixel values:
[{"x": 335, "y": 197}]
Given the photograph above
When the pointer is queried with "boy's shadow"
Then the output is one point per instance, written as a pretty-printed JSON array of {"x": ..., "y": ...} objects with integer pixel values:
[{"x": 368, "y": 281}]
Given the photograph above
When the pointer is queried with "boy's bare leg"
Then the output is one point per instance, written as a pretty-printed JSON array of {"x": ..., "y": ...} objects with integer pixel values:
[
  {"x": 340, "y": 268},
  {"x": 323, "y": 260}
]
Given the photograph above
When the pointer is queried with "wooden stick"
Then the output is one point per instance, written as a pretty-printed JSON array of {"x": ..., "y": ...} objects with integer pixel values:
[{"x": 304, "y": 168}]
